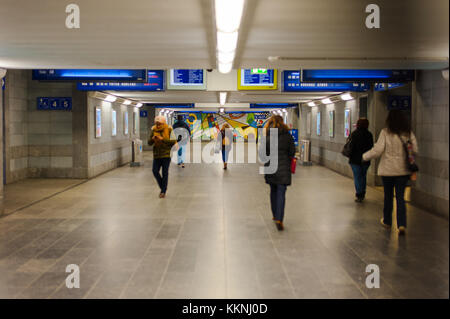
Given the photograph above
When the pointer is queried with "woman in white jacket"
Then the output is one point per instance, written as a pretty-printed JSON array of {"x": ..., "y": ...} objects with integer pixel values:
[{"x": 393, "y": 167}]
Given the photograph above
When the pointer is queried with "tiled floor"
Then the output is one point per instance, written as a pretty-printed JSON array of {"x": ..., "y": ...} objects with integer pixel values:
[
  {"x": 18, "y": 195},
  {"x": 212, "y": 237}
]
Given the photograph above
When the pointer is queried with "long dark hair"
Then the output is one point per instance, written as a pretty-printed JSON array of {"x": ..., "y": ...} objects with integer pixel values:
[
  {"x": 398, "y": 122},
  {"x": 276, "y": 121}
]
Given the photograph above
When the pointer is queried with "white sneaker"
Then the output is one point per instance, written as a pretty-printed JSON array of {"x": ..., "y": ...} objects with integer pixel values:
[
  {"x": 384, "y": 225},
  {"x": 401, "y": 230}
]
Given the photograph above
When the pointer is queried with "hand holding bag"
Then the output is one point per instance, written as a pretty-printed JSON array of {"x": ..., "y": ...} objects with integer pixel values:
[
  {"x": 409, "y": 154},
  {"x": 293, "y": 164}
]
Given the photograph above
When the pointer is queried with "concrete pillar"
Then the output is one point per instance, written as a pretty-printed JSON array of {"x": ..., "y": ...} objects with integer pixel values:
[{"x": 80, "y": 137}]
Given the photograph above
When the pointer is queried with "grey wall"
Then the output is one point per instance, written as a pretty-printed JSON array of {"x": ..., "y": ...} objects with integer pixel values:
[
  {"x": 49, "y": 132},
  {"x": 145, "y": 125},
  {"x": 326, "y": 150},
  {"x": 108, "y": 152},
  {"x": 430, "y": 123},
  {"x": 1, "y": 150},
  {"x": 16, "y": 129}
]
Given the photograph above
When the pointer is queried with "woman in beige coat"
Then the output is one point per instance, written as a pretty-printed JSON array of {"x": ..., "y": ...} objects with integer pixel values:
[{"x": 393, "y": 167}]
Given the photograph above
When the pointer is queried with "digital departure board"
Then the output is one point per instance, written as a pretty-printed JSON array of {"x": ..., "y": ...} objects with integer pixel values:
[
  {"x": 186, "y": 79},
  {"x": 357, "y": 75},
  {"x": 257, "y": 79},
  {"x": 293, "y": 83},
  {"x": 90, "y": 75},
  {"x": 155, "y": 82}
]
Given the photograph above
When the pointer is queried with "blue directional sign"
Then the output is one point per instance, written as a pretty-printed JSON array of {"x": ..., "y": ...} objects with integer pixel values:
[
  {"x": 90, "y": 75},
  {"x": 54, "y": 103},
  {"x": 357, "y": 75},
  {"x": 387, "y": 86},
  {"x": 143, "y": 113},
  {"x": 3, "y": 83},
  {"x": 397, "y": 102},
  {"x": 294, "y": 133},
  {"x": 292, "y": 83},
  {"x": 155, "y": 82}
]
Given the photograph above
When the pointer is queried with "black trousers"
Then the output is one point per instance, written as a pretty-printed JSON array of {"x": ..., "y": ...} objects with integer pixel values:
[
  {"x": 399, "y": 184},
  {"x": 163, "y": 163}
]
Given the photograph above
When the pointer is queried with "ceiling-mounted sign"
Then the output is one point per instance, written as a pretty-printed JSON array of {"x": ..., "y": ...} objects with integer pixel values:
[
  {"x": 293, "y": 83},
  {"x": 172, "y": 106},
  {"x": 272, "y": 105},
  {"x": 257, "y": 79},
  {"x": 396, "y": 102},
  {"x": 155, "y": 82},
  {"x": 186, "y": 79},
  {"x": 90, "y": 75},
  {"x": 387, "y": 86},
  {"x": 54, "y": 103},
  {"x": 357, "y": 75}
]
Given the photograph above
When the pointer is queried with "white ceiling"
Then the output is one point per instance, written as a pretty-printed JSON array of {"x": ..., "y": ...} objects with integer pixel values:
[{"x": 180, "y": 34}]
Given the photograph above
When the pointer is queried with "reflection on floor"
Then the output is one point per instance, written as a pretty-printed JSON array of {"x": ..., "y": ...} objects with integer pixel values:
[
  {"x": 213, "y": 237},
  {"x": 24, "y": 193}
]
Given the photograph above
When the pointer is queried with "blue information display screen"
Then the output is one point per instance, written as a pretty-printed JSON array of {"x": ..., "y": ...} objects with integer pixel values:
[
  {"x": 358, "y": 75},
  {"x": 257, "y": 77},
  {"x": 89, "y": 74},
  {"x": 186, "y": 77},
  {"x": 155, "y": 82},
  {"x": 292, "y": 83}
]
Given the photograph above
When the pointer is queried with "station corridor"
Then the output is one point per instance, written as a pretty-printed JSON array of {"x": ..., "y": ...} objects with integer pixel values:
[{"x": 213, "y": 237}]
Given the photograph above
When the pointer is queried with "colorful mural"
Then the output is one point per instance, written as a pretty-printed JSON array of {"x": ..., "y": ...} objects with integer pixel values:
[{"x": 244, "y": 124}]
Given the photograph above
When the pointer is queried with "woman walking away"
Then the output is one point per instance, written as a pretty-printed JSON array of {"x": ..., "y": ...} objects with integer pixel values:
[
  {"x": 226, "y": 144},
  {"x": 160, "y": 137},
  {"x": 393, "y": 166},
  {"x": 281, "y": 178},
  {"x": 361, "y": 142}
]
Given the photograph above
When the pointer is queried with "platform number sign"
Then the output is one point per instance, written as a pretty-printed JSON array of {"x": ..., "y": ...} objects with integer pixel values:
[
  {"x": 143, "y": 113},
  {"x": 54, "y": 103},
  {"x": 399, "y": 102}
]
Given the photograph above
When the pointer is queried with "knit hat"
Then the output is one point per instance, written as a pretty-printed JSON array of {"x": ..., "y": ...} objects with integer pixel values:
[{"x": 160, "y": 119}]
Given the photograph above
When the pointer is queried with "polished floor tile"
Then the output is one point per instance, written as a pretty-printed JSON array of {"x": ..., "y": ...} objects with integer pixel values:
[{"x": 213, "y": 237}]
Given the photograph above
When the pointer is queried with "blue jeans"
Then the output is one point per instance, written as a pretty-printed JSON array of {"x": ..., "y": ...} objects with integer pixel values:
[
  {"x": 163, "y": 180},
  {"x": 360, "y": 179},
  {"x": 225, "y": 153},
  {"x": 181, "y": 152},
  {"x": 278, "y": 200},
  {"x": 399, "y": 184}
]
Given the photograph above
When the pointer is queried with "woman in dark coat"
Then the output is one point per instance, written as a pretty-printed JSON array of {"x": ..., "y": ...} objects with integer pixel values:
[
  {"x": 361, "y": 142},
  {"x": 281, "y": 178}
]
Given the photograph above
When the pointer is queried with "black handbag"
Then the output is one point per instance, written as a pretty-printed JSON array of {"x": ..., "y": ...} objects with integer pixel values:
[{"x": 347, "y": 149}]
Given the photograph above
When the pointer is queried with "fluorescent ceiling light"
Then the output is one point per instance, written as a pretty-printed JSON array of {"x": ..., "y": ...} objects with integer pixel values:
[
  {"x": 226, "y": 42},
  {"x": 127, "y": 102},
  {"x": 221, "y": 110},
  {"x": 311, "y": 104},
  {"x": 326, "y": 101},
  {"x": 110, "y": 98},
  {"x": 225, "y": 57},
  {"x": 222, "y": 97},
  {"x": 225, "y": 67},
  {"x": 284, "y": 111},
  {"x": 139, "y": 105},
  {"x": 346, "y": 97},
  {"x": 228, "y": 14}
]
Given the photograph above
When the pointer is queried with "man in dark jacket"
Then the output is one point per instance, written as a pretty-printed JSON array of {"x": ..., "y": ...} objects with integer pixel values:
[
  {"x": 282, "y": 177},
  {"x": 361, "y": 142},
  {"x": 182, "y": 132}
]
